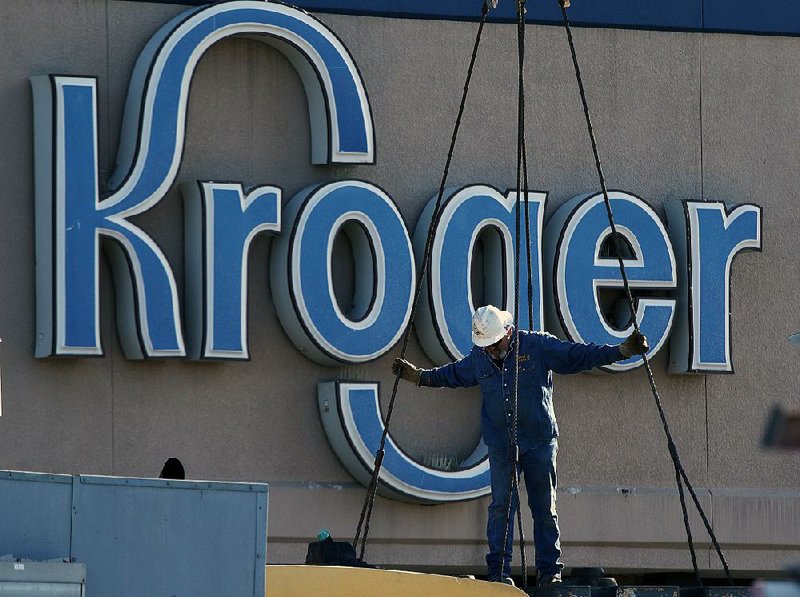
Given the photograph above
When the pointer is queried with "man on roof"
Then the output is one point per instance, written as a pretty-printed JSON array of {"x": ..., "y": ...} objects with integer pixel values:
[{"x": 490, "y": 364}]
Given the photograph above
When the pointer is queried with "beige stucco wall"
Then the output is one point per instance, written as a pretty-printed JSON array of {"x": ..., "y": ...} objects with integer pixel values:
[{"x": 678, "y": 116}]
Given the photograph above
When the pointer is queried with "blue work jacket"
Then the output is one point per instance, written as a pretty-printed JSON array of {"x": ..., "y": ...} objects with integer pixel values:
[{"x": 540, "y": 354}]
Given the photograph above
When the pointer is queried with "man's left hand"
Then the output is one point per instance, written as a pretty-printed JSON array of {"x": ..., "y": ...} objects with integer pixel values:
[
  {"x": 406, "y": 370},
  {"x": 635, "y": 344}
]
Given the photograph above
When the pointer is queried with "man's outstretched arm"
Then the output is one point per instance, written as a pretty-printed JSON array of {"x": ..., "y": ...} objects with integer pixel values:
[
  {"x": 460, "y": 374},
  {"x": 572, "y": 357}
]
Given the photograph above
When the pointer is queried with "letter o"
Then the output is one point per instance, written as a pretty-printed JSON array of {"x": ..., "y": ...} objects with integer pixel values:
[{"x": 301, "y": 273}]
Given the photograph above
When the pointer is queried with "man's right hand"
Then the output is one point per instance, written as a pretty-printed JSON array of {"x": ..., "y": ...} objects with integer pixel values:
[{"x": 407, "y": 371}]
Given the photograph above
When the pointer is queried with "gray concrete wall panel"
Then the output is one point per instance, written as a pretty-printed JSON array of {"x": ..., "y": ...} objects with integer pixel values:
[{"x": 750, "y": 126}]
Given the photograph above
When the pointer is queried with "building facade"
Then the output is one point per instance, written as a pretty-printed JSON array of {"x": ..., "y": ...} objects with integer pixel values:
[{"x": 210, "y": 240}]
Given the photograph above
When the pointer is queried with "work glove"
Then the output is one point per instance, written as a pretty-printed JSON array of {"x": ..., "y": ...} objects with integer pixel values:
[
  {"x": 635, "y": 344},
  {"x": 407, "y": 371}
]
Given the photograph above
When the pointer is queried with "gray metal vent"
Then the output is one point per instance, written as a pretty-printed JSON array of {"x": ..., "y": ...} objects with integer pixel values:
[{"x": 43, "y": 579}]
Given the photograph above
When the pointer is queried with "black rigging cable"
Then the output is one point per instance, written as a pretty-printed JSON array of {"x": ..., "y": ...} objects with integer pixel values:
[
  {"x": 522, "y": 193},
  {"x": 680, "y": 474},
  {"x": 369, "y": 498}
]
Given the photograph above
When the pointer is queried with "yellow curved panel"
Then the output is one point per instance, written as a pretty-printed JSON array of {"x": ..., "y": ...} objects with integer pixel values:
[{"x": 341, "y": 581}]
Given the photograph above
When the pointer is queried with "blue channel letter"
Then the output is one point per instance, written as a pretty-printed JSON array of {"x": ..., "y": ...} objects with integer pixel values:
[
  {"x": 447, "y": 304},
  {"x": 580, "y": 270}
]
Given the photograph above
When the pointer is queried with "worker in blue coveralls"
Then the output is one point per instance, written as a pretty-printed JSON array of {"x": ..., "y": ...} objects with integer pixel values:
[{"x": 490, "y": 364}]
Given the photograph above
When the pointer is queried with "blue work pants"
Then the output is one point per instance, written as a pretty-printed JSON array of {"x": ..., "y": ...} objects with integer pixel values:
[{"x": 538, "y": 468}]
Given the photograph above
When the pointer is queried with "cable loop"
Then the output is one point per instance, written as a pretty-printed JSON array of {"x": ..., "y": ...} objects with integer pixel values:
[{"x": 522, "y": 189}]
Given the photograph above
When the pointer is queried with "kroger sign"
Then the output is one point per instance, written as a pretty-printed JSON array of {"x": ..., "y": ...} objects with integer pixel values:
[{"x": 680, "y": 272}]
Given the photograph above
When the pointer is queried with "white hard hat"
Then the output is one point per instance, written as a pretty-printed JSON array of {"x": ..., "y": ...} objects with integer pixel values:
[{"x": 489, "y": 324}]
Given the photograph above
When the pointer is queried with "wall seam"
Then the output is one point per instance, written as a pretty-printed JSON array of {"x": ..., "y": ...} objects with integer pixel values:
[
  {"x": 108, "y": 155},
  {"x": 709, "y": 551},
  {"x": 701, "y": 4},
  {"x": 703, "y": 198}
]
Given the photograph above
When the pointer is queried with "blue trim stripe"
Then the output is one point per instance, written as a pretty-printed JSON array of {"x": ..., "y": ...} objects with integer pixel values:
[
  {"x": 778, "y": 17},
  {"x": 656, "y": 14}
]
